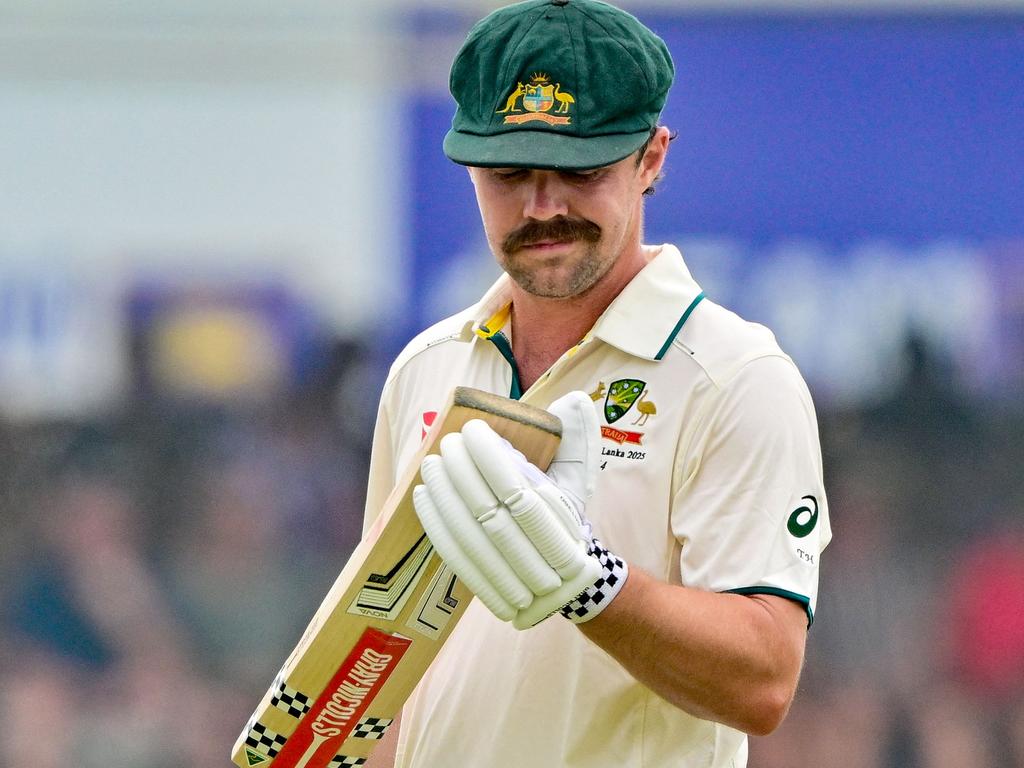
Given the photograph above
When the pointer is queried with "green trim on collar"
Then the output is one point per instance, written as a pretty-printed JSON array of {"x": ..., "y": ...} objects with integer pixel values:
[
  {"x": 501, "y": 341},
  {"x": 679, "y": 326},
  {"x": 795, "y": 597}
]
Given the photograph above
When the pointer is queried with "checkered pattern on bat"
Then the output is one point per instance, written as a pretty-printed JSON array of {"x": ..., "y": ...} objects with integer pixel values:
[
  {"x": 613, "y": 573},
  {"x": 294, "y": 702},
  {"x": 371, "y": 727},
  {"x": 264, "y": 740},
  {"x": 343, "y": 761}
]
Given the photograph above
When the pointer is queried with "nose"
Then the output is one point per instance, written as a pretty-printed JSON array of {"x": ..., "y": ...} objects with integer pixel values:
[{"x": 545, "y": 199}]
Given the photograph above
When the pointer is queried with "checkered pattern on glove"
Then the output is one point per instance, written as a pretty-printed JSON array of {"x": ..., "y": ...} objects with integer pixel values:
[{"x": 590, "y": 601}]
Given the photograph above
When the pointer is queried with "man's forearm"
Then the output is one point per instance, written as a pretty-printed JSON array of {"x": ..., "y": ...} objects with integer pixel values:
[{"x": 730, "y": 658}]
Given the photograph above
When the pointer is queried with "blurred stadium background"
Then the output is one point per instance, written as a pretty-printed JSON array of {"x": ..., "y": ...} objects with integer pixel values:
[{"x": 219, "y": 220}]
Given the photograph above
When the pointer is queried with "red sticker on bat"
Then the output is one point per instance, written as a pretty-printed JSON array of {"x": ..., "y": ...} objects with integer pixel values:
[
  {"x": 428, "y": 422},
  {"x": 343, "y": 702}
]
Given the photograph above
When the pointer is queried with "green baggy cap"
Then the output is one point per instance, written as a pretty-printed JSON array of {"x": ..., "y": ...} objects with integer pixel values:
[{"x": 556, "y": 84}]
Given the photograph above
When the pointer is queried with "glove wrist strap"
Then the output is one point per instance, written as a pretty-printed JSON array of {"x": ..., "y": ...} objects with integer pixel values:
[{"x": 595, "y": 599}]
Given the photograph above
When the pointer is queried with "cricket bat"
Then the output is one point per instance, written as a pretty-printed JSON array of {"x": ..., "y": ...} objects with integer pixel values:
[{"x": 384, "y": 619}]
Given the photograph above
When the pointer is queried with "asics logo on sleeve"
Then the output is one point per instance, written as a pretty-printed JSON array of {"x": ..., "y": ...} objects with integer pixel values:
[{"x": 803, "y": 519}]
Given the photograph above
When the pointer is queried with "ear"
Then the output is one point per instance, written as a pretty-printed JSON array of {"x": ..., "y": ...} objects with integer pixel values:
[{"x": 654, "y": 158}]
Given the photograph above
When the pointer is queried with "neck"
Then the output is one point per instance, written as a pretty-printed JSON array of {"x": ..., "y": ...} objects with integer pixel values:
[{"x": 543, "y": 329}]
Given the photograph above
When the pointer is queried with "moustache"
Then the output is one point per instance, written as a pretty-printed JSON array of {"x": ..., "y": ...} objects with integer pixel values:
[{"x": 559, "y": 229}]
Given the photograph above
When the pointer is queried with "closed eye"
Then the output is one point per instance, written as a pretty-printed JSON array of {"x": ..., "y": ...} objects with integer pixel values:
[
  {"x": 509, "y": 174},
  {"x": 582, "y": 177},
  {"x": 577, "y": 178}
]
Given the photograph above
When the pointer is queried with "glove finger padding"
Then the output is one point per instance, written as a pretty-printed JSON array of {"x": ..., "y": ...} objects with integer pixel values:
[
  {"x": 449, "y": 550},
  {"x": 561, "y": 550},
  {"x": 470, "y": 537},
  {"x": 472, "y": 487},
  {"x": 495, "y": 519},
  {"x": 504, "y": 468}
]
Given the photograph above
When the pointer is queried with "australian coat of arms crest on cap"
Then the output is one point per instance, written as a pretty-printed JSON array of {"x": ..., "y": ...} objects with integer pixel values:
[{"x": 540, "y": 100}]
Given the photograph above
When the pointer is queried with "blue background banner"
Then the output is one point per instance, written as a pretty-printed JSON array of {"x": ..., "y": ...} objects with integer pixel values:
[{"x": 830, "y": 141}]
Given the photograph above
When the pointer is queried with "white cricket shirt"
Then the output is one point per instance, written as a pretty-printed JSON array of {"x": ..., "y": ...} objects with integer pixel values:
[{"x": 711, "y": 477}]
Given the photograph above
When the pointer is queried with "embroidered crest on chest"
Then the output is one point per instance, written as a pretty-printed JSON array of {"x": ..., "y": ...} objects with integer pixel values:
[{"x": 622, "y": 398}]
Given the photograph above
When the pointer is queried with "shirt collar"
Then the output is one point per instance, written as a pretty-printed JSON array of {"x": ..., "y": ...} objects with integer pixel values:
[
  {"x": 491, "y": 313},
  {"x": 648, "y": 314},
  {"x": 642, "y": 320}
]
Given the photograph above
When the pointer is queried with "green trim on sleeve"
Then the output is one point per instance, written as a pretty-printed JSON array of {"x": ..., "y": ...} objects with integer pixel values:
[
  {"x": 795, "y": 597},
  {"x": 502, "y": 343},
  {"x": 679, "y": 326}
]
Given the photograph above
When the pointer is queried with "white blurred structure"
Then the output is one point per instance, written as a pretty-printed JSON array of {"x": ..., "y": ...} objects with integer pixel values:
[{"x": 196, "y": 141}]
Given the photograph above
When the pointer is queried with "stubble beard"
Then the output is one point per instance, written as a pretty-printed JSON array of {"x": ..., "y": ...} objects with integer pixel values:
[
  {"x": 554, "y": 282},
  {"x": 557, "y": 276}
]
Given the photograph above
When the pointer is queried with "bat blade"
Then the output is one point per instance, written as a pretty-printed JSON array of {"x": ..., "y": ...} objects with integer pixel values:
[{"x": 384, "y": 619}]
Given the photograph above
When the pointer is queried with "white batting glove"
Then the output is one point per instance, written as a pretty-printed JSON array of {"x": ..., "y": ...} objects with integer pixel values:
[{"x": 515, "y": 536}]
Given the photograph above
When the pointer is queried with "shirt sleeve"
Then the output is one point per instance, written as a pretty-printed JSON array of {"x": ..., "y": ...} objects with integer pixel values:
[
  {"x": 751, "y": 515},
  {"x": 381, "y": 479}
]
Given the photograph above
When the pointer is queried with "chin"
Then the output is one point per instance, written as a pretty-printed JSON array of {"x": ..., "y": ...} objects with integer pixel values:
[
  {"x": 560, "y": 278},
  {"x": 554, "y": 289}
]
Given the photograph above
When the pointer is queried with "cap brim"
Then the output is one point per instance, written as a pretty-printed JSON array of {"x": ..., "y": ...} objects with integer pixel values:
[{"x": 541, "y": 149}]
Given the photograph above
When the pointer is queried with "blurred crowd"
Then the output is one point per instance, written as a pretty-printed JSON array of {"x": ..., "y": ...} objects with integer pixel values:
[
  {"x": 916, "y": 656},
  {"x": 157, "y": 565}
]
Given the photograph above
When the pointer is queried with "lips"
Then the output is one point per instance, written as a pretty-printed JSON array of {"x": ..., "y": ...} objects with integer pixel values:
[{"x": 548, "y": 243}]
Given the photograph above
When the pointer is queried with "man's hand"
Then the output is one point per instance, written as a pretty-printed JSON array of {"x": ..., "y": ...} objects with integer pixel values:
[{"x": 517, "y": 537}]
